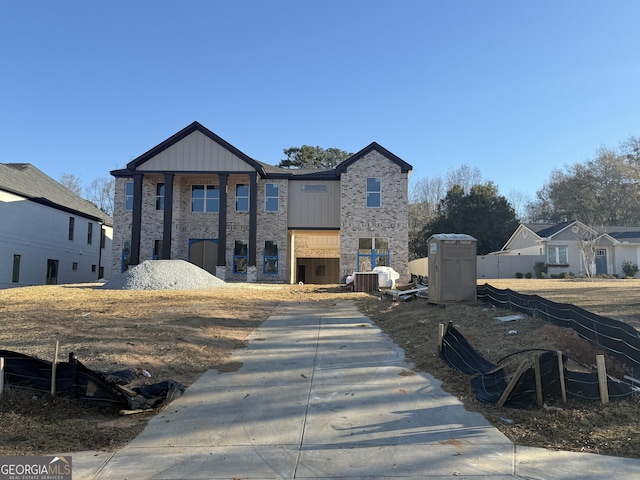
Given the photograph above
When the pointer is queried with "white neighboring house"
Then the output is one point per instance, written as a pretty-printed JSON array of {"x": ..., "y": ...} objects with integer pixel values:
[
  {"x": 48, "y": 234},
  {"x": 559, "y": 244}
]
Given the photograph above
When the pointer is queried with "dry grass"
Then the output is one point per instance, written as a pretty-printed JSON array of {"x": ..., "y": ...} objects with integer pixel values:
[{"x": 179, "y": 335}]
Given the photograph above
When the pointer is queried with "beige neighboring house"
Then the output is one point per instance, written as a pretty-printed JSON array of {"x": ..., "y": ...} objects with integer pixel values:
[
  {"x": 560, "y": 246},
  {"x": 48, "y": 234},
  {"x": 196, "y": 197}
]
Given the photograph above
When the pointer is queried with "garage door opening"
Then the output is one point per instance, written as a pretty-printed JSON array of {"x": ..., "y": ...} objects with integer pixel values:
[{"x": 318, "y": 270}]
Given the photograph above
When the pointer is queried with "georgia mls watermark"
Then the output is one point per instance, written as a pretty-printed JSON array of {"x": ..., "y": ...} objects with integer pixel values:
[{"x": 35, "y": 468}]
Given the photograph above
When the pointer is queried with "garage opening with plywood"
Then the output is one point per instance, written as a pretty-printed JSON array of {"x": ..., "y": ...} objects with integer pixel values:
[{"x": 315, "y": 256}]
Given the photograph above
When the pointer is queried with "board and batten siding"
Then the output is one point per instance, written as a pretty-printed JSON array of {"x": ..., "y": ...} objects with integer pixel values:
[
  {"x": 314, "y": 204},
  {"x": 196, "y": 153}
]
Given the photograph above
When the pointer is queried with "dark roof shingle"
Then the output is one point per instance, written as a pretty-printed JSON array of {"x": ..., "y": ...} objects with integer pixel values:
[{"x": 26, "y": 180}]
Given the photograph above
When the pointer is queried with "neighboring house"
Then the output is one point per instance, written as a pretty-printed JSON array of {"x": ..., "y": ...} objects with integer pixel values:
[
  {"x": 559, "y": 246},
  {"x": 196, "y": 197},
  {"x": 48, "y": 234}
]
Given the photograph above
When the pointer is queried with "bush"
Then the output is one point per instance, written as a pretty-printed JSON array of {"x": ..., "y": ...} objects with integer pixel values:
[
  {"x": 629, "y": 268},
  {"x": 540, "y": 269},
  {"x": 565, "y": 275},
  {"x": 519, "y": 275},
  {"x": 528, "y": 275}
]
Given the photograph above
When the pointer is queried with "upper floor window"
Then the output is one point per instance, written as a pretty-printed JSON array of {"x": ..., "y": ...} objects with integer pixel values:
[
  {"x": 159, "y": 196},
  {"x": 242, "y": 197},
  {"x": 205, "y": 198},
  {"x": 271, "y": 202},
  {"x": 557, "y": 255},
  {"x": 128, "y": 196},
  {"x": 374, "y": 191},
  {"x": 89, "y": 233},
  {"x": 72, "y": 222}
]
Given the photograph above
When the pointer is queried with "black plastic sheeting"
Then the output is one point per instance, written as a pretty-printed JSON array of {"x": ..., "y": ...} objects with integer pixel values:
[
  {"x": 615, "y": 337},
  {"x": 489, "y": 382},
  {"x": 89, "y": 387}
]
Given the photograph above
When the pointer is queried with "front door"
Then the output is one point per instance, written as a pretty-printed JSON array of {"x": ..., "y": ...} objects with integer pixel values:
[
  {"x": 601, "y": 261},
  {"x": 204, "y": 253}
]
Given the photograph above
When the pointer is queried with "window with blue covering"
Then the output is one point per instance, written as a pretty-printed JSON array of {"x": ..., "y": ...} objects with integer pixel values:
[
  {"x": 372, "y": 252},
  {"x": 270, "y": 257},
  {"x": 240, "y": 256}
]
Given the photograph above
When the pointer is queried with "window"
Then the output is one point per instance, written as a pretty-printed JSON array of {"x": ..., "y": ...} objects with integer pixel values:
[
  {"x": 72, "y": 222},
  {"x": 128, "y": 196},
  {"x": 240, "y": 257},
  {"x": 242, "y": 197},
  {"x": 557, "y": 255},
  {"x": 93, "y": 268},
  {"x": 126, "y": 255},
  {"x": 271, "y": 197},
  {"x": 374, "y": 190},
  {"x": 205, "y": 198},
  {"x": 103, "y": 237},
  {"x": 372, "y": 252},
  {"x": 74, "y": 266},
  {"x": 313, "y": 188},
  {"x": 159, "y": 196},
  {"x": 157, "y": 250},
  {"x": 271, "y": 257},
  {"x": 16, "y": 269},
  {"x": 89, "y": 233}
]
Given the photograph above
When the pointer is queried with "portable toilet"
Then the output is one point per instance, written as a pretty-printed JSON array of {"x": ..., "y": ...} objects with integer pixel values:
[{"x": 452, "y": 268}]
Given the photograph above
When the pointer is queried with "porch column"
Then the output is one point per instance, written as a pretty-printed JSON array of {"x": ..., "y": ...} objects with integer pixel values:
[
  {"x": 222, "y": 221},
  {"x": 253, "y": 217},
  {"x": 136, "y": 224},
  {"x": 167, "y": 225}
]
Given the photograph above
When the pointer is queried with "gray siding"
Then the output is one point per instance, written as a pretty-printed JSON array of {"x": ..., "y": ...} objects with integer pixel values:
[
  {"x": 310, "y": 207},
  {"x": 197, "y": 153}
]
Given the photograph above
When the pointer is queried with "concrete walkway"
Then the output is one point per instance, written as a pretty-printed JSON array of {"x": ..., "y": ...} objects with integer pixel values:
[{"x": 324, "y": 394}]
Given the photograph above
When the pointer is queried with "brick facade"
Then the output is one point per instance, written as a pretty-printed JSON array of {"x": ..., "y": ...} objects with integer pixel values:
[
  {"x": 308, "y": 243},
  {"x": 390, "y": 221}
]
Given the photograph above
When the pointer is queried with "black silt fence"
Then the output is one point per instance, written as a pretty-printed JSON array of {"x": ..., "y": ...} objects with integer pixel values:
[
  {"x": 77, "y": 382},
  {"x": 615, "y": 337},
  {"x": 490, "y": 383}
]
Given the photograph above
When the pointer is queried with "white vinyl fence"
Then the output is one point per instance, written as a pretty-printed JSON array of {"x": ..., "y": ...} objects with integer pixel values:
[{"x": 489, "y": 266}]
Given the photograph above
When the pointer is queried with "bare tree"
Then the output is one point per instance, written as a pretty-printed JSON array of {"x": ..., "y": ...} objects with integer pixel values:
[
  {"x": 464, "y": 176},
  {"x": 101, "y": 192},
  {"x": 519, "y": 201},
  {"x": 72, "y": 182},
  {"x": 587, "y": 239}
]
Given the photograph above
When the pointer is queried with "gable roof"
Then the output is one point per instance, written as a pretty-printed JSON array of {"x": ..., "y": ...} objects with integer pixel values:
[
  {"x": 188, "y": 130},
  {"x": 27, "y": 181},
  {"x": 404, "y": 166},
  {"x": 264, "y": 169}
]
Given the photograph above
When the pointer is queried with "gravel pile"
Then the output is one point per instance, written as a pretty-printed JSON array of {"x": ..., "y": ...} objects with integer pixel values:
[{"x": 164, "y": 275}]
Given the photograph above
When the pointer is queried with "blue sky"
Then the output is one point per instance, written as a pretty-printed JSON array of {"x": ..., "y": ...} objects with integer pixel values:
[{"x": 513, "y": 88}]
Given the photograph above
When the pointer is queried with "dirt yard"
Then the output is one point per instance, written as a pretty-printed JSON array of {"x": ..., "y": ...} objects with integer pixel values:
[{"x": 180, "y": 335}]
